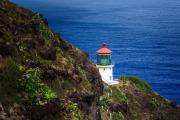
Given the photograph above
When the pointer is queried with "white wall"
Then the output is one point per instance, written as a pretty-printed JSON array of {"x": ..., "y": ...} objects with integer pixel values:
[{"x": 106, "y": 72}]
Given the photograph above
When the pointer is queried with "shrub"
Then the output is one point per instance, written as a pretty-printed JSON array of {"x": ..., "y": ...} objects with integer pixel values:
[
  {"x": 37, "y": 91},
  {"x": 105, "y": 102},
  {"x": 117, "y": 116},
  {"x": 118, "y": 96},
  {"x": 72, "y": 108}
]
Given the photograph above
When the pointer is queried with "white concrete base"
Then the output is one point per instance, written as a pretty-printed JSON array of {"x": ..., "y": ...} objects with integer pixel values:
[{"x": 110, "y": 82}]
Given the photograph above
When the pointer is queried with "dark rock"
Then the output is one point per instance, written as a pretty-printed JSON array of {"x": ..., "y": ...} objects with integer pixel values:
[
  {"x": 173, "y": 104},
  {"x": 75, "y": 96},
  {"x": 89, "y": 99},
  {"x": 98, "y": 114},
  {"x": 49, "y": 54},
  {"x": 45, "y": 21},
  {"x": 84, "y": 107},
  {"x": 1, "y": 58},
  {"x": 49, "y": 75},
  {"x": 49, "y": 110},
  {"x": 30, "y": 44},
  {"x": 6, "y": 48},
  {"x": 118, "y": 107}
]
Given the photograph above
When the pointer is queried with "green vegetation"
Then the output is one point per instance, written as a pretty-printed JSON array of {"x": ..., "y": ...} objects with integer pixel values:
[
  {"x": 112, "y": 95},
  {"x": 117, "y": 116},
  {"x": 81, "y": 72},
  {"x": 118, "y": 96},
  {"x": 105, "y": 102},
  {"x": 37, "y": 91},
  {"x": 154, "y": 104},
  {"x": 45, "y": 31},
  {"x": 59, "y": 51},
  {"x": 72, "y": 109},
  {"x": 68, "y": 86},
  {"x": 140, "y": 84},
  {"x": 36, "y": 16}
]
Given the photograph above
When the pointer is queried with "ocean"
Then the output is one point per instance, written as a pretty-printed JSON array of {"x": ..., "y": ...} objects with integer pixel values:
[{"x": 144, "y": 35}]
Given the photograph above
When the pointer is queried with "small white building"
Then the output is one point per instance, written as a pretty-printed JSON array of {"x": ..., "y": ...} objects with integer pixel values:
[{"x": 104, "y": 65}]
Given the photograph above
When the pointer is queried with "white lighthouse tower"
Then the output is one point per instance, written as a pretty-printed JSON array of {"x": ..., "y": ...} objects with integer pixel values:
[{"x": 104, "y": 65}]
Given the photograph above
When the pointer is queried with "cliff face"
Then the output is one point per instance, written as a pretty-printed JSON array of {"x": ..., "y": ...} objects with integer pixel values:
[{"x": 41, "y": 75}]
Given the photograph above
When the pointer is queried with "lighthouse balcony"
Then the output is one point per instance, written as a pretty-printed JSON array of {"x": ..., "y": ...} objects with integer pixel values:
[{"x": 104, "y": 66}]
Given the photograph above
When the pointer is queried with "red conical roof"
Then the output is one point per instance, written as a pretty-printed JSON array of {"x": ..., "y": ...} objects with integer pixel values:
[{"x": 104, "y": 50}]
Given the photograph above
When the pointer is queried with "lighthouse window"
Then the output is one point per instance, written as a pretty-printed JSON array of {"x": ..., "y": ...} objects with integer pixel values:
[
  {"x": 104, "y": 69},
  {"x": 104, "y": 59}
]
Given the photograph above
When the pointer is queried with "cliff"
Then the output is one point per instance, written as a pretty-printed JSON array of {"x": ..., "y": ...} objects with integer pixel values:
[{"x": 42, "y": 77}]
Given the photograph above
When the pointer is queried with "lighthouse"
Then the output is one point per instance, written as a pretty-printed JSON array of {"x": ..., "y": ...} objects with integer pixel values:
[{"x": 105, "y": 65}]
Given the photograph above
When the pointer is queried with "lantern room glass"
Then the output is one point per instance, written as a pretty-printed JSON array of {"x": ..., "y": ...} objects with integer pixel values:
[{"x": 104, "y": 59}]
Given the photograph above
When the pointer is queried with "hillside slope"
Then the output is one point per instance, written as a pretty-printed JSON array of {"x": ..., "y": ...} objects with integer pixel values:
[
  {"x": 134, "y": 99},
  {"x": 41, "y": 75}
]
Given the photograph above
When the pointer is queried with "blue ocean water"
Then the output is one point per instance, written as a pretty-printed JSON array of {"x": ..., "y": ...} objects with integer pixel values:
[{"x": 144, "y": 35}]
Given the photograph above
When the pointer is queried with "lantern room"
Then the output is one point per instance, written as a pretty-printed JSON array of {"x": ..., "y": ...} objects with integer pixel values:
[{"x": 104, "y": 55}]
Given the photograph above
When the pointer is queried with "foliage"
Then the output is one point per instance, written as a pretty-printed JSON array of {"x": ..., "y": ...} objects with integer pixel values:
[
  {"x": 72, "y": 108},
  {"x": 154, "y": 104},
  {"x": 21, "y": 45},
  {"x": 37, "y": 16},
  {"x": 117, "y": 116},
  {"x": 140, "y": 84},
  {"x": 81, "y": 71},
  {"x": 43, "y": 28},
  {"x": 45, "y": 32},
  {"x": 38, "y": 92},
  {"x": 105, "y": 102},
  {"x": 119, "y": 96}
]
